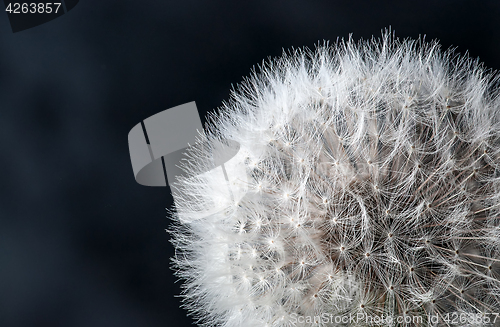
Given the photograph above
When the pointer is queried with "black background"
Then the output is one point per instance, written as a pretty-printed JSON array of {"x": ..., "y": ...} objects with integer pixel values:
[{"x": 81, "y": 243}]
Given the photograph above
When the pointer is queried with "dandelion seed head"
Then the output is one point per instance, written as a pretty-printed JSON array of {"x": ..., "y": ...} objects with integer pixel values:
[{"x": 367, "y": 180}]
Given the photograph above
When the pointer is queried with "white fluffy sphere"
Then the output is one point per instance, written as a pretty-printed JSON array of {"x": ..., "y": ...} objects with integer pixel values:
[{"x": 367, "y": 184}]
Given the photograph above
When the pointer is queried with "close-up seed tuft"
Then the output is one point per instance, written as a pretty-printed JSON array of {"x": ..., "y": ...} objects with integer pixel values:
[{"x": 401, "y": 186}]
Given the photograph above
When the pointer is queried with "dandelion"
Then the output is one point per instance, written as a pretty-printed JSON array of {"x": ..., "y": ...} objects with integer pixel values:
[{"x": 367, "y": 183}]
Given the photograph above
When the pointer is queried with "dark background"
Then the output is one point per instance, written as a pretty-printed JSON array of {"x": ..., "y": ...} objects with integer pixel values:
[{"x": 81, "y": 243}]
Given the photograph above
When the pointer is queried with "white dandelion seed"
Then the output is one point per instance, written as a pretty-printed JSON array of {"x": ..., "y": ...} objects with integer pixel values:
[{"x": 367, "y": 180}]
